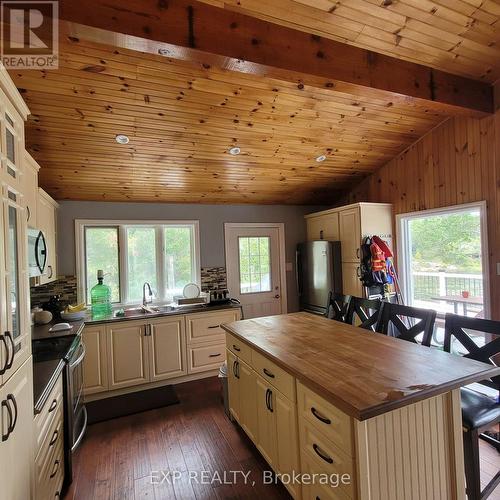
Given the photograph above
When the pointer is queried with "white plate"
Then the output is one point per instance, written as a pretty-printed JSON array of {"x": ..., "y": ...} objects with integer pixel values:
[{"x": 191, "y": 291}]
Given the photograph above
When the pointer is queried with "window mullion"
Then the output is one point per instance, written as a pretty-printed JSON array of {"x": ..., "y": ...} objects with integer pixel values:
[
  {"x": 160, "y": 263},
  {"x": 122, "y": 253}
]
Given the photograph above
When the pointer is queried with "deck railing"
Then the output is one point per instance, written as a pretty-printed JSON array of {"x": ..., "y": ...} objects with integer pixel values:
[{"x": 437, "y": 284}]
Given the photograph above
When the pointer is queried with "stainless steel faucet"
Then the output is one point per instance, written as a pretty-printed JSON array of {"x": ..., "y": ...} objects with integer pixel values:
[{"x": 150, "y": 293}]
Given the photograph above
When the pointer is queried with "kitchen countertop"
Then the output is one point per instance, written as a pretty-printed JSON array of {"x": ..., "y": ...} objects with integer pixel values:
[
  {"x": 45, "y": 376},
  {"x": 364, "y": 374},
  {"x": 173, "y": 312}
]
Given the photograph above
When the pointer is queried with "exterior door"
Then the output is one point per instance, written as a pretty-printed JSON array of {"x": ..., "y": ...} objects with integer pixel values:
[{"x": 254, "y": 273}]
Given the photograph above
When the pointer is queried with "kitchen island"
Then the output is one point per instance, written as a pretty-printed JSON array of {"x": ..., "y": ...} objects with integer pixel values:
[{"x": 378, "y": 416}]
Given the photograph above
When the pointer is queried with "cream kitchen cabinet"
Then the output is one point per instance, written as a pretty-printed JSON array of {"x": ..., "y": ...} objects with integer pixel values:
[
  {"x": 47, "y": 223},
  {"x": 350, "y": 234},
  {"x": 16, "y": 444},
  {"x": 266, "y": 441},
  {"x": 351, "y": 284},
  {"x": 30, "y": 189},
  {"x": 95, "y": 363},
  {"x": 325, "y": 227},
  {"x": 128, "y": 356},
  {"x": 167, "y": 348},
  {"x": 233, "y": 385}
]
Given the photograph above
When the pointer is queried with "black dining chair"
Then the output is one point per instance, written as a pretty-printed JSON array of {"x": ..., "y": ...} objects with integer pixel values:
[
  {"x": 477, "y": 339},
  {"x": 407, "y": 323},
  {"x": 337, "y": 306},
  {"x": 364, "y": 312}
]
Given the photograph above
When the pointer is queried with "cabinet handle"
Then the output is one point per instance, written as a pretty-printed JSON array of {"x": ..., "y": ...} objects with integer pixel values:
[
  {"x": 54, "y": 438},
  {"x": 8, "y": 335},
  {"x": 28, "y": 213},
  {"x": 320, "y": 417},
  {"x": 321, "y": 234},
  {"x": 6, "y": 405},
  {"x": 56, "y": 468},
  {"x": 236, "y": 348},
  {"x": 322, "y": 454},
  {"x": 53, "y": 406},
  {"x": 10, "y": 397},
  {"x": 268, "y": 373},
  {"x": 4, "y": 368},
  {"x": 215, "y": 326},
  {"x": 236, "y": 369},
  {"x": 357, "y": 252},
  {"x": 57, "y": 495},
  {"x": 51, "y": 272},
  {"x": 214, "y": 355},
  {"x": 358, "y": 272},
  {"x": 269, "y": 400}
]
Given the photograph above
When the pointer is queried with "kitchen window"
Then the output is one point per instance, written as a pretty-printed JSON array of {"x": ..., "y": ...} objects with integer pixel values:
[
  {"x": 443, "y": 260},
  {"x": 163, "y": 253}
]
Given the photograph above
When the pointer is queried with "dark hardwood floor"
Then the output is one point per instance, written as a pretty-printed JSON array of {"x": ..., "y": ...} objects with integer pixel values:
[{"x": 117, "y": 457}]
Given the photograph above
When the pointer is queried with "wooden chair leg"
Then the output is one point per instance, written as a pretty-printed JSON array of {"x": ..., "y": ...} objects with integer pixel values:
[{"x": 472, "y": 471}]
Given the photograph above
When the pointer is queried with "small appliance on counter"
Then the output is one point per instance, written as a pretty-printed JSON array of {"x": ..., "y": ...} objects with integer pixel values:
[{"x": 219, "y": 297}]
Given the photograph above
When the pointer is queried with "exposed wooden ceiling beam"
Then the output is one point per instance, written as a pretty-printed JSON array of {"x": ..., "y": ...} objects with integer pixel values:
[{"x": 189, "y": 30}]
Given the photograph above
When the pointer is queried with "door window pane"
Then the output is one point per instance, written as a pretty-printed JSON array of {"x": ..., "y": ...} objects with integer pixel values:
[
  {"x": 101, "y": 252},
  {"x": 254, "y": 259},
  {"x": 11, "y": 148},
  {"x": 445, "y": 262},
  {"x": 141, "y": 258},
  {"x": 179, "y": 269}
]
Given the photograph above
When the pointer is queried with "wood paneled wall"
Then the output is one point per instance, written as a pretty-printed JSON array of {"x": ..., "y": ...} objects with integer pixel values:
[{"x": 458, "y": 162}]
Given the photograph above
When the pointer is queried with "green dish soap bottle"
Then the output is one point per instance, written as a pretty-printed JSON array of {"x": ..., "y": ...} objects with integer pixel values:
[{"x": 100, "y": 298}]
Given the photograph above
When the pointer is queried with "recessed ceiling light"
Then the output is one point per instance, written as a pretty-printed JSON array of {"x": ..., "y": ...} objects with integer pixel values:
[
  {"x": 321, "y": 158},
  {"x": 234, "y": 151},
  {"x": 122, "y": 139}
]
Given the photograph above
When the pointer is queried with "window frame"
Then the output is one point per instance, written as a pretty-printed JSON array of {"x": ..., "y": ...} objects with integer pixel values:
[
  {"x": 122, "y": 226},
  {"x": 403, "y": 259}
]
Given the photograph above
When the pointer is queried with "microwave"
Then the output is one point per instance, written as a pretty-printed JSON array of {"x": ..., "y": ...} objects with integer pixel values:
[{"x": 37, "y": 252}]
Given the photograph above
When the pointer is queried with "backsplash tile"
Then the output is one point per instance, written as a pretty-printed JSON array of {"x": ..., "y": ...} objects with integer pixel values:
[
  {"x": 213, "y": 278},
  {"x": 65, "y": 286}
]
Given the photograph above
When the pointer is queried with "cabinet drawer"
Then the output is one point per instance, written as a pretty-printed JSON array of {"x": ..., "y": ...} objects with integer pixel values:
[
  {"x": 318, "y": 491},
  {"x": 239, "y": 348},
  {"x": 51, "y": 476},
  {"x": 332, "y": 422},
  {"x": 323, "y": 456},
  {"x": 205, "y": 327},
  {"x": 274, "y": 375},
  {"x": 45, "y": 419},
  {"x": 206, "y": 357}
]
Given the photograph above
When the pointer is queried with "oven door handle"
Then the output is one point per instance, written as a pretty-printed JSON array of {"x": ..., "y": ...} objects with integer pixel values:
[
  {"x": 80, "y": 357},
  {"x": 82, "y": 433}
]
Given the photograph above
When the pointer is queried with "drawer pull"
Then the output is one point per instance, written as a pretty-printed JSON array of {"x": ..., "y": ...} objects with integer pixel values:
[
  {"x": 56, "y": 468},
  {"x": 268, "y": 373},
  {"x": 53, "y": 406},
  {"x": 54, "y": 438},
  {"x": 236, "y": 348},
  {"x": 320, "y": 417},
  {"x": 322, "y": 454},
  {"x": 215, "y": 326},
  {"x": 214, "y": 355}
]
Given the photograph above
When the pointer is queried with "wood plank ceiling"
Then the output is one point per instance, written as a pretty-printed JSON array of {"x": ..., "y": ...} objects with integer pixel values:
[
  {"x": 182, "y": 119},
  {"x": 457, "y": 36}
]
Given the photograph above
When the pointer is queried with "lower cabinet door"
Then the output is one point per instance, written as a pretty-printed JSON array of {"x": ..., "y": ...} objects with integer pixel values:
[
  {"x": 266, "y": 421},
  {"x": 287, "y": 440},
  {"x": 127, "y": 354},
  {"x": 167, "y": 348},
  {"x": 95, "y": 363},
  {"x": 233, "y": 385},
  {"x": 16, "y": 444},
  {"x": 350, "y": 279},
  {"x": 248, "y": 400}
]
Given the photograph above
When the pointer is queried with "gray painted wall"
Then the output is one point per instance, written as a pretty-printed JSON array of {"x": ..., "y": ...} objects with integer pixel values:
[{"x": 211, "y": 217}]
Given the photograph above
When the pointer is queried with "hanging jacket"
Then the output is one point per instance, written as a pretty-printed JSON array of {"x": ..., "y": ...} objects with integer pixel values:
[{"x": 378, "y": 258}]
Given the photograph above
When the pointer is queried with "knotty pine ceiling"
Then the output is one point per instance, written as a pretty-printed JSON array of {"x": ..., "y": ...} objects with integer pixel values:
[
  {"x": 183, "y": 119},
  {"x": 457, "y": 36}
]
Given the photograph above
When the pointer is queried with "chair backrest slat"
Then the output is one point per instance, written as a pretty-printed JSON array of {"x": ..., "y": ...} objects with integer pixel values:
[
  {"x": 364, "y": 312},
  {"x": 337, "y": 306},
  {"x": 479, "y": 338},
  {"x": 407, "y": 323}
]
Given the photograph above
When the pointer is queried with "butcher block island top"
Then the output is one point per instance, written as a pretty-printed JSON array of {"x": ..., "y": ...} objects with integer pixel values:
[{"x": 364, "y": 374}]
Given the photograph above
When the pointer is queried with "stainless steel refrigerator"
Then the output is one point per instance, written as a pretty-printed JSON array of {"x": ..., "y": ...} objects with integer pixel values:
[{"x": 319, "y": 271}]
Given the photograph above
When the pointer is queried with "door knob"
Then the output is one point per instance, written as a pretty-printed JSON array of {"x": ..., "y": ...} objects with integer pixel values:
[{"x": 277, "y": 296}]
